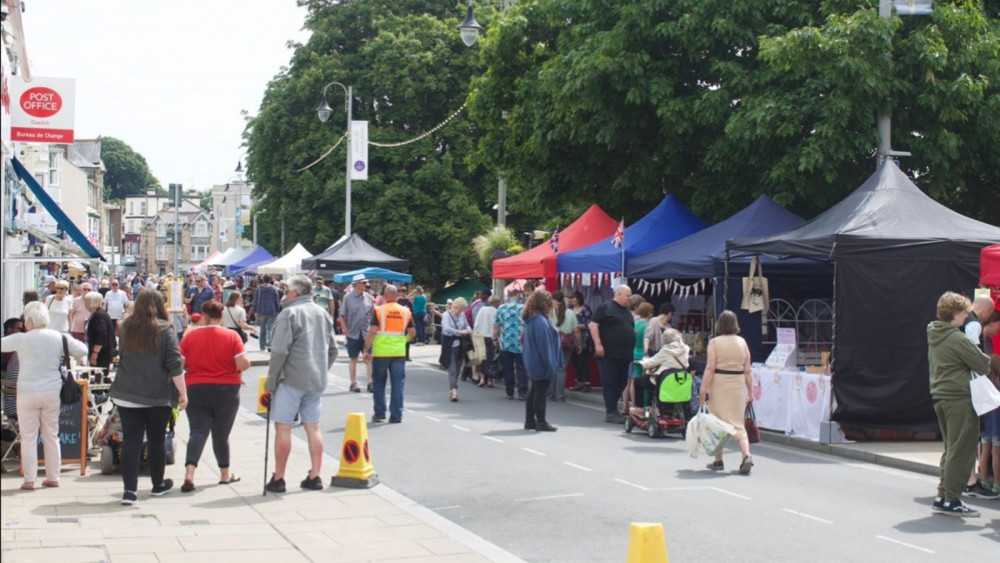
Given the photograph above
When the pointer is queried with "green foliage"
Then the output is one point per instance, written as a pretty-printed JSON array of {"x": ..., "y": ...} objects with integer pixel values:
[
  {"x": 126, "y": 171},
  {"x": 492, "y": 245},
  {"x": 720, "y": 101}
]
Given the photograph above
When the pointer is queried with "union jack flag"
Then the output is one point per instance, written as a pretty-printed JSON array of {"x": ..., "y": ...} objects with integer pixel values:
[
  {"x": 619, "y": 234},
  {"x": 92, "y": 238},
  {"x": 554, "y": 241}
]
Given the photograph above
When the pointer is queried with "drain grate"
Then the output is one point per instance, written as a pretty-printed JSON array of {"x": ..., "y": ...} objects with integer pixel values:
[{"x": 193, "y": 522}]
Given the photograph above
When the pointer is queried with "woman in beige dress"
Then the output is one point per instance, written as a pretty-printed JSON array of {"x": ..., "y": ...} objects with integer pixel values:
[{"x": 728, "y": 384}]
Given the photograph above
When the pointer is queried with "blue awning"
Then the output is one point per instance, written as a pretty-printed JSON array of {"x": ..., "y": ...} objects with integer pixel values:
[{"x": 53, "y": 208}]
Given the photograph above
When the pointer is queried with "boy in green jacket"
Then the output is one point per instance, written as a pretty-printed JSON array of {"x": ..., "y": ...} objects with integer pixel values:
[{"x": 953, "y": 358}]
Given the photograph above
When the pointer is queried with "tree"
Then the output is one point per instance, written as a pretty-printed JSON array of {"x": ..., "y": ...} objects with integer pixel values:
[
  {"x": 127, "y": 172},
  {"x": 421, "y": 201},
  {"x": 718, "y": 102}
]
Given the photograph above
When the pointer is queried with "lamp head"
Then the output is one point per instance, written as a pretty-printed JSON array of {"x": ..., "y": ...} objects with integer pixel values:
[
  {"x": 469, "y": 28},
  {"x": 324, "y": 111}
]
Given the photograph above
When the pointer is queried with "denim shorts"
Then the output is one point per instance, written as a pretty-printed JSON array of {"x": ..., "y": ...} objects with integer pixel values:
[
  {"x": 354, "y": 346},
  {"x": 288, "y": 401}
]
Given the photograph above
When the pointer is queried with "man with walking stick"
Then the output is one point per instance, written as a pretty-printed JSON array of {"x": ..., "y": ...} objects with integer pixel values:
[{"x": 302, "y": 351}]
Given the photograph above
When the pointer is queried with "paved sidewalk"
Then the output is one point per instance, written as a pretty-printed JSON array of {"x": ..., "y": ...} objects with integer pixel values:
[{"x": 83, "y": 519}]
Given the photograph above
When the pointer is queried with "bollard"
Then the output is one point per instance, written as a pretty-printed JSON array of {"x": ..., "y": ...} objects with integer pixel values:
[
  {"x": 646, "y": 543},
  {"x": 356, "y": 469}
]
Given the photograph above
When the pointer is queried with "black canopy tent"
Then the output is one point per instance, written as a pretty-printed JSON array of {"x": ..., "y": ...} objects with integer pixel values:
[
  {"x": 352, "y": 253},
  {"x": 895, "y": 251}
]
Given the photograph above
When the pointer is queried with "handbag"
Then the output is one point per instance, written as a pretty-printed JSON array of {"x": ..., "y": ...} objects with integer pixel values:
[
  {"x": 756, "y": 296},
  {"x": 676, "y": 387},
  {"x": 750, "y": 424},
  {"x": 239, "y": 330},
  {"x": 985, "y": 396},
  {"x": 567, "y": 340},
  {"x": 69, "y": 393}
]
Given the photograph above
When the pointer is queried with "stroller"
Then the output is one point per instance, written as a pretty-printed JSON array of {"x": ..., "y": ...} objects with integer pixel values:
[
  {"x": 109, "y": 439},
  {"x": 669, "y": 408}
]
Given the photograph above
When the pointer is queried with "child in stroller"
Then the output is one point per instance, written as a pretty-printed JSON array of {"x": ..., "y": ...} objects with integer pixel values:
[
  {"x": 671, "y": 384},
  {"x": 109, "y": 439}
]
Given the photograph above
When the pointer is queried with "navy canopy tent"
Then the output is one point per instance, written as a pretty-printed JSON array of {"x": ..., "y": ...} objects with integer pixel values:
[
  {"x": 670, "y": 220},
  {"x": 352, "y": 253},
  {"x": 258, "y": 255},
  {"x": 895, "y": 251}
]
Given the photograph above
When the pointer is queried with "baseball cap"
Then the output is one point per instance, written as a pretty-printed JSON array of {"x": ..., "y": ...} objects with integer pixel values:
[{"x": 48, "y": 279}]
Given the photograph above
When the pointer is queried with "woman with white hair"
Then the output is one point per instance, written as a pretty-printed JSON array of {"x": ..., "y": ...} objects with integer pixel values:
[
  {"x": 453, "y": 328},
  {"x": 39, "y": 351}
]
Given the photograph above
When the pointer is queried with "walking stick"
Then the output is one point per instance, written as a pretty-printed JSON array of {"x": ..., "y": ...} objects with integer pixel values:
[{"x": 267, "y": 437}]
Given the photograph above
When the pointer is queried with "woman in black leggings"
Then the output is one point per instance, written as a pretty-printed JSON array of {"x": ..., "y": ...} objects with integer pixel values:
[{"x": 215, "y": 360}]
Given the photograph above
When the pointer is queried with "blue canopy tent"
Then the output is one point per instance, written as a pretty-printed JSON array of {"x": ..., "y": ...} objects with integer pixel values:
[
  {"x": 259, "y": 254},
  {"x": 373, "y": 272},
  {"x": 670, "y": 220}
]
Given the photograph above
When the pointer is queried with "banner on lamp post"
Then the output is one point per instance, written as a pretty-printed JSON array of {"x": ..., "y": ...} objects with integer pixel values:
[
  {"x": 359, "y": 150},
  {"x": 43, "y": 110}
]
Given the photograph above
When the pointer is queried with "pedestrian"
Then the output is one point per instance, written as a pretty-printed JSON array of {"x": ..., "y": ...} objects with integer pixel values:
[
  {"x": 455, "y": 332},
  {"x": 323, "y": 296},
  {"x": 543, "y": 358},
  {"x": 101, "y": 342},
  {"x": 148, "y": 385},
  {"x": 115, "y": 301},
  {"x": 60, "y": 304},
  {"x": 78, "y": 314},
  {"x": 266, "y": 304},
  {"x": 580, "y": 358},
  {"x": 39, "y": 352},
  {"x": 302, "y": 353},
  {"x": 636, "y": 381},
  {"x": 611, "y": 328},
  {"x": 507, "y": 330},
  {"x": 982, "y": 309},
  {"x": 728, "y": 385},
  {"x": 987, "y": 483},
  {"x": 355, "y": 318},
  {"x": 11, "y": 367},
  {"x": 565, "y": 323},
  {"x": 215, "y": 360},
  {"x": 391, "y": 330},
  {"x": 653, "y": 338},
  {"x": 235, "y": 316},
  {"x": 48, "y": 287},
  {"x": 483, "y": 329},
  {"x": 952, "y": 357},
  {"x": 420, "y": 314}
]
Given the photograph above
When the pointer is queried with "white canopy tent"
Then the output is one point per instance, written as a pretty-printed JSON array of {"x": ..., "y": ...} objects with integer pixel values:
[{"x": 287, "y": 265}]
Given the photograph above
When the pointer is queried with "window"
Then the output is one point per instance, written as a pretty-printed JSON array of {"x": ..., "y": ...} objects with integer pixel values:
[
  {"x": 161, "y": 229},
  {"x": 161, "y": 252},
  {"x": 199, "y": 252},
  {"x": 201, "y": 229},
  {"x": 142, "y": 208},
  {"x": 54, "y": 168}
]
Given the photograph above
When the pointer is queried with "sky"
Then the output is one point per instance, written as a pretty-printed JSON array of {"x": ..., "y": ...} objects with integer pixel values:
[{"x": 170, "y": 79}]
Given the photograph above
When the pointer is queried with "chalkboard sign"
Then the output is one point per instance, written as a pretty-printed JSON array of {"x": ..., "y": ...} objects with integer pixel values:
[{"x": 72, "y": 431}]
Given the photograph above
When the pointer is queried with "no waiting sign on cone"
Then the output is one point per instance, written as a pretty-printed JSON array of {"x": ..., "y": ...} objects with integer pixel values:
[{"x": 356, "y": 469}]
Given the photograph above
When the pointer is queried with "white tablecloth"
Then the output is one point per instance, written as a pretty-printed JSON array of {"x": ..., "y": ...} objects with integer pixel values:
[{"x": 791, "y": 401}]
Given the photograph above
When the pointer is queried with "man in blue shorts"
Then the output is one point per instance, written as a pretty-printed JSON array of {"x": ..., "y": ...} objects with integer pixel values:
[
  {"x": 355, "y": 317},
  {"x": 302, "y": 353}
]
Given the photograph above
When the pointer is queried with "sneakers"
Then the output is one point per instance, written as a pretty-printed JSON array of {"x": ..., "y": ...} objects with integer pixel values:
[
  {"x": 746, "y": 465},
  {"x": 312, "y": 483},
  {"x": 716, "y": 466},
  {"x": 378, "y": 418},
  {"x": 955, "y": 508},
  {"x": 275, "y": 485},
  {"x": 530, "y": 426},
  {"x": 395, "y": 420},
  {"x": 129, "y": 498},
  {"x": 938, "y": 504},
  {"x": 453, "y": 395},
  {"x": 371, "y": 387},
  {"x": 546, "y": 427},
  {"x": 614, "y": 418},
  {"x": 163, "y": 488},
  {"x": 354, "y": 387},
  {"x": 979, "y": 491}
]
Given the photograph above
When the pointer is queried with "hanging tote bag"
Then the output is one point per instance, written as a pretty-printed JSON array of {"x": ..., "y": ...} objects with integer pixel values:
[
  {"x": 676, "y": 387},
  {"x": 755, "y": 289},
  {"x": 713, "y": 432},
  {"x": 69, "y": 393},
  {"x": 985, "y": 397},
  {"x": 750, "y": 424}
]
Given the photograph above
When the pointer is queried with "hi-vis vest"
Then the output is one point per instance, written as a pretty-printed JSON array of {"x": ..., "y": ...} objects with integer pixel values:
[{"x": 390, "y": 340}]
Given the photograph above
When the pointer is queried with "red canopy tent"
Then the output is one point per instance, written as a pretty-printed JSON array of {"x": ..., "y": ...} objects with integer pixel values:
[
  {"x": 540, "y": 261},
  {"x": 989, "y": 266}
]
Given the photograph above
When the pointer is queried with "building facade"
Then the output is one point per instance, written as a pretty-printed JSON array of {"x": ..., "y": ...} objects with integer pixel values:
[
  {"x": 232, "y": 204},
  {"x": 172, "y": 248}
]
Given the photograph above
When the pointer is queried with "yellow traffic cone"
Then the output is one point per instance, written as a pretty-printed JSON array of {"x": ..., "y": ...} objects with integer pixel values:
[
  {"x": 262, "y": 398},
  {"x": 646, "y": 543},
  {"x": 356, "y": 469}
]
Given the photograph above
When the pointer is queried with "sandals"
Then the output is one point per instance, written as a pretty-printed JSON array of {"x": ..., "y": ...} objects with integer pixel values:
[
  {"x": 187, "y": 487},
  {"x": 233, "y": 478},
  {"x": 52, "y": 484},
  {"x": 28, "y": 486}
]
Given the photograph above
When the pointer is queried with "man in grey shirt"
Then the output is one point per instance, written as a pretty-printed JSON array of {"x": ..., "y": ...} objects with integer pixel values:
[
  {"x": 355, "y": 318},
  {"x": 302, "y": 352}
]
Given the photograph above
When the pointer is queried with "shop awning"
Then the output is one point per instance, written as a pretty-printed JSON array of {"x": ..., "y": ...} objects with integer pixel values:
[{"x": 53, "y": 208}]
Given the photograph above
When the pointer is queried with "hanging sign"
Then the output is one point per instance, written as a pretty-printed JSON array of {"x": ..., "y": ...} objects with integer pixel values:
[
  {"x": 42, "y": 111},
  {"x": 359, "y": 150}
]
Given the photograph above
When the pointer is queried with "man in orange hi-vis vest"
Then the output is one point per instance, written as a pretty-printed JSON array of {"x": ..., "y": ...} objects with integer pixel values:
[{"x": 391, "y": 329}]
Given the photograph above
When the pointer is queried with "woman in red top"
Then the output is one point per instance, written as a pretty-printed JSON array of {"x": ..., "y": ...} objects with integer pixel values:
[{"x": 214, "y": 360}]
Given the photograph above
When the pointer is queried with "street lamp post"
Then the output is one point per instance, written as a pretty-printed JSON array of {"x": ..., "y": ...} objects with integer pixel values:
[{"x": 323, "y": 111}]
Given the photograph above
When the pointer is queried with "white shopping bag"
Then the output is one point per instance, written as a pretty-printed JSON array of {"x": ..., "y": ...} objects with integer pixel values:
[
  {"x": 713, "y": 432},
  {"x": 691, "y": 436},
  {"x": 985, "y": 397}
]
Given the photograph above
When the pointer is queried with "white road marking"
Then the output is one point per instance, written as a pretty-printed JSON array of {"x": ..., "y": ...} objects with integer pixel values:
[
  {"x": 431, "y": 418},
  {"x": 725, "y": 492},
  {"x": 624, "y": 482},
  {"x": 924, "y": 549},
  {"x": 446, "y": 507},
  {"x": 804, "y": 515},
  {"x": 550, "y": 497},
  {"x": 531, "y": 451},
  {"x": 580, "y": 467},
  {"x": 462, "y": 428},
  {"x": 497, "y": 440}
]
